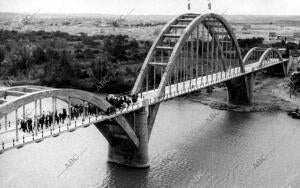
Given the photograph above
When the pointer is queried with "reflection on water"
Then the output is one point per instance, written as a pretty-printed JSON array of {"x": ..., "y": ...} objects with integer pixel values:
[{"x": 186, "y": 150}]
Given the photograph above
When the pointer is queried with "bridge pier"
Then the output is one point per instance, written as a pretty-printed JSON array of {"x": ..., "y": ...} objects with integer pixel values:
[
  {"x": 240, "y": 90},
  {"x": 281, "y": 69},
  {"x": 120, "y": 148},
  {"x": 290, "y": 64}
]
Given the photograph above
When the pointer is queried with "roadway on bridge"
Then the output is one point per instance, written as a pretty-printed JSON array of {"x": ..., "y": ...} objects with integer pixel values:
[{"x": 8, "y": 138}]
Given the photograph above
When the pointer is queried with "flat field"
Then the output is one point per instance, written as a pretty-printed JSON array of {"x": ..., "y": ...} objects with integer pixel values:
[{"x": 144, "y": 27}]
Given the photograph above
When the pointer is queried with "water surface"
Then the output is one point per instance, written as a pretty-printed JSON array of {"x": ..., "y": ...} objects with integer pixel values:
[{"x": 189, "y": 147}]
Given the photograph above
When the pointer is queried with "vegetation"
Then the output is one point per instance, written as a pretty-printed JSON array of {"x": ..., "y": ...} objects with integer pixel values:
[
  {"x": 247, "y": 44},
  {"x": 61, "y": 60},
  {"x": 250, "y": 42},
  {"x": 58, "y": 59}
]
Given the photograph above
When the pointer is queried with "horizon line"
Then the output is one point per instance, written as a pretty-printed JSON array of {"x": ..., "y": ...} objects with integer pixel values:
[{"x": 113, "y": 14}]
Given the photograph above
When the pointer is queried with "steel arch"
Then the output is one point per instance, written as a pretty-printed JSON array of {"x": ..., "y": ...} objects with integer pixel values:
[
  {"x": 175, "y": 52},
  {"x": 249, "y": 54},
  {"x": 139, "y": 81},
  {"x": 197, "y": 21},
  {"x": 266, "y": 53}
]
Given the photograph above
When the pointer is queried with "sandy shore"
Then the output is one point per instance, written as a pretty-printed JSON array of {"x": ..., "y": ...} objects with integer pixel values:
[
  {"x": 271, "y": 94},
  {"x": 2, "y": 86}
]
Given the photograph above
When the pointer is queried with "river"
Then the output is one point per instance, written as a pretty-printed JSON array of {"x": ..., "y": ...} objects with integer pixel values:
[{"x": 191, "y": 145}]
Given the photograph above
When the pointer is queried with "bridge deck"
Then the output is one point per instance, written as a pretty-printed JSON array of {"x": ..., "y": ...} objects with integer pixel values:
[
  {"x": 8, "y": 138},
  {"x": 209, "y": 80}
]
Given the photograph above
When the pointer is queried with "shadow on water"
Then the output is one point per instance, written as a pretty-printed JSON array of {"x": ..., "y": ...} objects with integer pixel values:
[
  {"x": 123, "y": 176},
  {"x": 235, "y": 122}
]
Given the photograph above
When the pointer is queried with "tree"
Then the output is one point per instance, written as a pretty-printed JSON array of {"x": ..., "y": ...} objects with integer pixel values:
[
  {"x": 251, "y": 42},
  {"x": 116, "y": 47},
  {"x": 2, "y": 54},
  {"x": 39, "y": 55}
]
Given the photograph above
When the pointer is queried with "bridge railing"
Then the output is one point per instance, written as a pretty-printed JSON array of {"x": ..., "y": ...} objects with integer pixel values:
[
  {"x": 19, "y": 139},
  {"x": 174, "y": 90},
  {"x": 64, "y": 127}
]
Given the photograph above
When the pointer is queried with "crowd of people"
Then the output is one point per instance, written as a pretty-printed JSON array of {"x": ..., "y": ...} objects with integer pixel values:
[
  {"x": 45, "y": 120},
  {"x": 78, "y": 110},
  {"x": 119, "y": 102}
]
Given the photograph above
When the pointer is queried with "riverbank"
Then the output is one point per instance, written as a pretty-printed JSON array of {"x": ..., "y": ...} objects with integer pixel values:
[
  {"x": 2, "y": 86},
  {"x": 270, "y": 94}
]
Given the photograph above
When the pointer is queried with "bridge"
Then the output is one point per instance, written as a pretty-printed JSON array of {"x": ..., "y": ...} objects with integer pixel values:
[{"x": 191, "y": 53}]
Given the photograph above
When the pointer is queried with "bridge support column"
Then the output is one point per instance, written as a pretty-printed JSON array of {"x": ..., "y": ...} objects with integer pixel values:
[
  {"x": 290, "y": 63},
  {"x": 280, "y": 70},
  {"x": 240, "y": 90},
  {"x": 123, "y": 153}
]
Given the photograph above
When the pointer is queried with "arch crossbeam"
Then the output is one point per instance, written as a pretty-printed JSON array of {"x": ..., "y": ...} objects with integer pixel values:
[{"x": 190, "y": 44}]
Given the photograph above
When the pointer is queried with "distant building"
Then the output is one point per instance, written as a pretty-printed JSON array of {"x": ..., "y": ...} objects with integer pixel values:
[
  {"x": 246, "y": 27},
  {"x": 272, "y": 34},
  {"x": 297, "y": 34},
  {"x": 144, "y": 43},
  {"x": 295, "y": 53},
  {"x": 282, "y": 50},
  {"x": 287, "y": 38}
]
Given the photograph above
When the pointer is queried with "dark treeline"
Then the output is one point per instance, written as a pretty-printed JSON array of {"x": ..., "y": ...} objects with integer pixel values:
[
  {"x": 59, "y": 59},
  {"x": 250, "y": 42},
  {"x": 247, "y": 44}
]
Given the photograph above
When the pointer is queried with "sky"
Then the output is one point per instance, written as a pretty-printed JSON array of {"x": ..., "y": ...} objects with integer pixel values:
[{"x": 164, "y": 7}]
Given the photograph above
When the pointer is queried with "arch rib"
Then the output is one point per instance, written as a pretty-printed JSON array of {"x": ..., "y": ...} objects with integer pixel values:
[
  {"x": 232, "y": 36},
  {"x": 249, "y": 54},
  {"x": 185, "y": 36},
  {"x": 266, "y": 53},
  {"x": 139, "y": 81}
]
